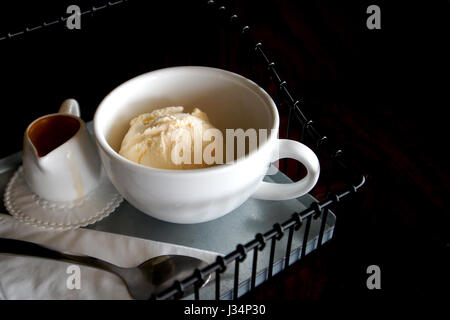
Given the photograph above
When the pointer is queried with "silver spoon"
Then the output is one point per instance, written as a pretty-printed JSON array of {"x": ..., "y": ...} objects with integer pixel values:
[{"x": 151, "y": 276}]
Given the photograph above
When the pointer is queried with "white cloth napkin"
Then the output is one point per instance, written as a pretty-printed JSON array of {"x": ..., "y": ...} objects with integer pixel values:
[{"x": 36, "y": 278}]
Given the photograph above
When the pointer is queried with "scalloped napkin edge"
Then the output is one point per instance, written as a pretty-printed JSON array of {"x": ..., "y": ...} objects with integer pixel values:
[
  {"x": 13, "y": 203},
  {"x": 35, "y": 278}
]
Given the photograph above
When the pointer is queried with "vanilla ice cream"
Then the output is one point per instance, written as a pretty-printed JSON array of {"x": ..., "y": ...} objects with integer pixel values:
[{"x": 167, "y": 138}]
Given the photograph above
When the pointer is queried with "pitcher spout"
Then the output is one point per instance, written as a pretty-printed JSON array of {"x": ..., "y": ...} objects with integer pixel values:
[{"x": 31, "y": 156}]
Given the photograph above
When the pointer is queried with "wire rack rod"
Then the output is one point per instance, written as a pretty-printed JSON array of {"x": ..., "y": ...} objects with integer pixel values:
[{"x": 28, "y": 29}]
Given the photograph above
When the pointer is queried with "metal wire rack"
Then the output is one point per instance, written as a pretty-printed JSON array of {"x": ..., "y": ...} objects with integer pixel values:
[
  {"x": 296, "y": 119},
  {"x": 309, "y": 134},
  {"x": 92, "y": 10}
]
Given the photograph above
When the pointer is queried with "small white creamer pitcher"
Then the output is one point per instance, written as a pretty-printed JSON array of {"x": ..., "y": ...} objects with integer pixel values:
[{"x": 60, "y": 160}]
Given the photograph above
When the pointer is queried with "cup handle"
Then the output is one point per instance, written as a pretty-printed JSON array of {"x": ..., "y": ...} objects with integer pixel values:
[
  {"x": 70, "y": 106},
  {"x": 298, "y": 151}
]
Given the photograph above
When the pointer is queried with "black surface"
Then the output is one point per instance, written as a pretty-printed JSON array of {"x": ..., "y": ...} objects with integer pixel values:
[{"x": 380, "y": 93}]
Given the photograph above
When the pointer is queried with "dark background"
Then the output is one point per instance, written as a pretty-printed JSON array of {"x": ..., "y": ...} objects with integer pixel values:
[{"x": 378, "y": 93}]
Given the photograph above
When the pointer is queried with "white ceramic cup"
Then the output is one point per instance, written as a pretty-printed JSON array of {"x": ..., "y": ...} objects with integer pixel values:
[
  {"x": 193, "y": 196},
  {"x": 60, "y": 160}
]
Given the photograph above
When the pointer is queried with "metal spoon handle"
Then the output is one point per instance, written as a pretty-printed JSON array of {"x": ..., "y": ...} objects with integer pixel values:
[{"x": 20, "y": 247}]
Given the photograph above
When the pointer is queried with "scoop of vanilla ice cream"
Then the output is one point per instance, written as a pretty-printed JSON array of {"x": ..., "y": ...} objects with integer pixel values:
[{"x": 164, "y": 139}]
